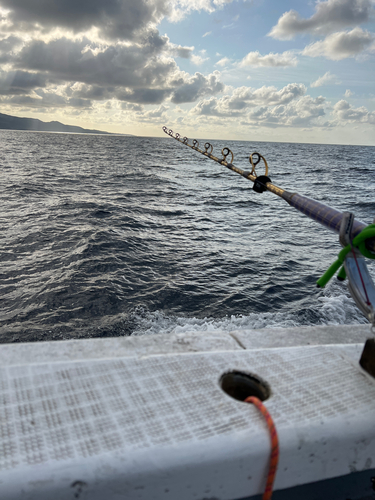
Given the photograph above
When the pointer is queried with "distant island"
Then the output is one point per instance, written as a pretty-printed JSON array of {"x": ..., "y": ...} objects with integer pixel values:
[{"x": 15, "y": 123}]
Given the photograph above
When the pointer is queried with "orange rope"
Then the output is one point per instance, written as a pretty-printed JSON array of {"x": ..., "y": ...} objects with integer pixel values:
[{"x": 274, "y": 443}]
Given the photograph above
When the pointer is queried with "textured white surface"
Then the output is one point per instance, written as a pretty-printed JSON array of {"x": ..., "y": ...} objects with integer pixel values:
[
  {"x": 144, "y": 426},
  {"x": 117, "y": 347},
  {"x": 302, "y": 335}
]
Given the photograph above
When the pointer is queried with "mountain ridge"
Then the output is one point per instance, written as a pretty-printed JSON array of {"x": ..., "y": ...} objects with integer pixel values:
[{"x": 10, "y": 122}]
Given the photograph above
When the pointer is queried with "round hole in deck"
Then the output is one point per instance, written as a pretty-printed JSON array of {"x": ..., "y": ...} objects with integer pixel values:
[{"x": 240, "y": 385}]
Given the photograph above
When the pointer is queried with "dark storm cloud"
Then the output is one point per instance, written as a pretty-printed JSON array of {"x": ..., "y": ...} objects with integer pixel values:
[
  {"x": 198, "y": 85},
  {"x": 95, "y": 92},
  {"x": 41, "y": 99},
  {"x": 51, "y": 100},
  {"x": 125, "y": 60},
  {"x": 134, "y": 96},
  {"x": 134, "y": 73},
  {"x": 144, "y": 96},
  {"x": 7, "y": 45},
  {"x": 80, "y": 61},
  {"x": 79, "y": 103},
  {"x": 20, "y": 82},
  {"x": 120, "y": 19}
]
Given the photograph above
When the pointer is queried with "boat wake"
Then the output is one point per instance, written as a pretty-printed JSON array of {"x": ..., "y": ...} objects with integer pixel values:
[{"x": 334, "y": 309}]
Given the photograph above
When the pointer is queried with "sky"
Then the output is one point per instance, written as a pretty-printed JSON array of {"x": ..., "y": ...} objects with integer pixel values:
[{"x": 263, "y": 70}]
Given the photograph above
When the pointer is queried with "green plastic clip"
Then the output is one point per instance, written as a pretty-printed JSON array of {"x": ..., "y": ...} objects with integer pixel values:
[{"x": 358, "y": 242}]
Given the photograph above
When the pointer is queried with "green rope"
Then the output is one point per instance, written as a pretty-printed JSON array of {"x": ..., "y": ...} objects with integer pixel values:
[{"x": 358, "y": 242}]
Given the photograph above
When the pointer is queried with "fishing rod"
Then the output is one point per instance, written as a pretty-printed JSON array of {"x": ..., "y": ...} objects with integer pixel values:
[{"x": 357, "y": 238}]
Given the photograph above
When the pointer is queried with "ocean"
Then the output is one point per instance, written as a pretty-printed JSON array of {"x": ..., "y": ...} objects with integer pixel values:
[{"x": 107, "y": 236}]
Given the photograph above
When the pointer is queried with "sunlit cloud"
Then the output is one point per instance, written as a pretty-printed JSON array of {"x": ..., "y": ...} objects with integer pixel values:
[
  {"x": 326, "y": 79},
  {"x": 269, "y": 60},
  {"x": 329, "y": 16},
  {"x": 346, "y": 113},
  {"x": 223, "y": 62},
  {"x": 341, "y": 45}
]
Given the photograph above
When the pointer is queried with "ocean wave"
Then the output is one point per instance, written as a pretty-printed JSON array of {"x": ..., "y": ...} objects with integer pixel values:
[{"x": 99, "y": 240}]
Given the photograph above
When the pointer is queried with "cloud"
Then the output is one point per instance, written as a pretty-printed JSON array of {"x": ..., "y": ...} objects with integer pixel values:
[
  {"x": 198, "y": 60},
  {"x": 329, "y": 16},
  {"x": 210, "y": 107},
  {"x": 348, "y": 93},
  {"x": 340, "y": 45},
  {"x": 346, "y": 113},
  {"x": 269, "y": 60},
  {"x": 112, "y": 19},
  {"x": 46, "y": 99},
  {"x": 197, "y": 86},
  {"x": 7, "y": 46},
  {"x": 180, "y": 8},
  {"x": 115, "y": 19},
  {"x": 207, "y": 34},
  {"x": 180, "y": 88},
  {"x": 158, "y": 114},
  {"x": 72, "y": 60},
  {"x": 327, "y": 78},
  {"x": 180, "y": 51},
  {"x": 300, "y": 113},
  {"x": 126, "y": 106},
  {"x": 84, "y": 91},
  {"x": 245, "y": 98},
  {"x": 268, "y": 108},
  {"x": 141, "y": 96},
  {"x": 86, "y": 71},
  {"x": 183, "y": 88},
  {"x": 20, "y": 82},
  {"x": 269, "y": 95},
  {"x": 223, "y": 62}
]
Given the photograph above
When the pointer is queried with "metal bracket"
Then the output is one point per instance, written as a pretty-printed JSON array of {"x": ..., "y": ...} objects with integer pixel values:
[{"x": 361, "y": 286}]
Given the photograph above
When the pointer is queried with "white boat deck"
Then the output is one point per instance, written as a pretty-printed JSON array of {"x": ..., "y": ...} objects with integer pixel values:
[{"x": 146, "y": 418}]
